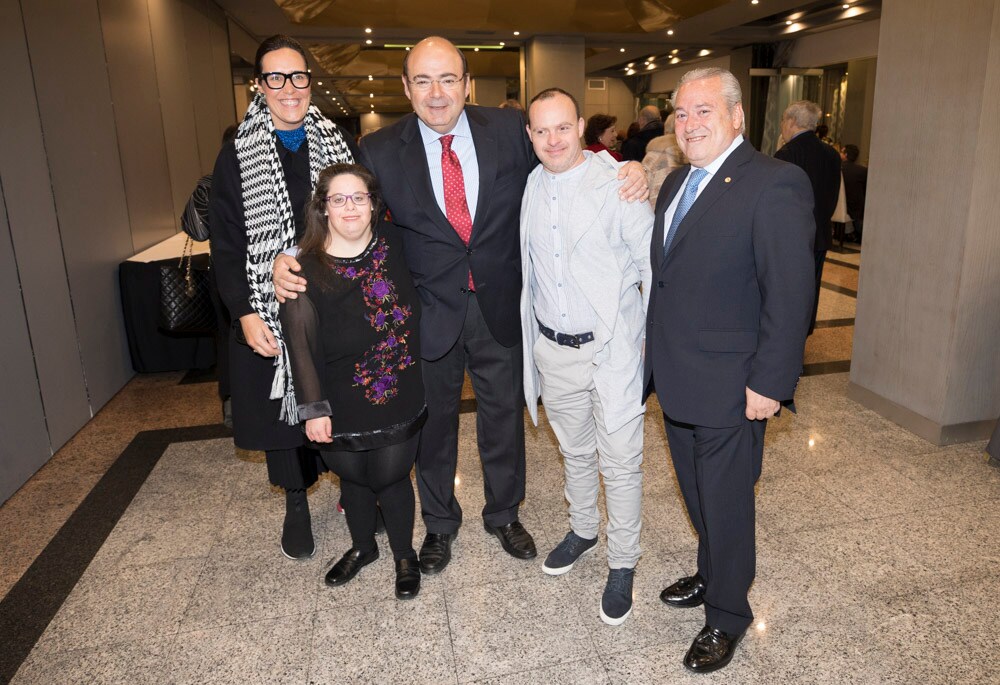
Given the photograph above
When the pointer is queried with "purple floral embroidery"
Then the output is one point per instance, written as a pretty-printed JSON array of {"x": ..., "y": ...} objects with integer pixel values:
[{"x": 376, "y": 372}]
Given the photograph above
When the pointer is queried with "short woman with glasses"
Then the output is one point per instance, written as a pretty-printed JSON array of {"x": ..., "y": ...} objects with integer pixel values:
[
  {"x": 354, "y": 349},
  {"x": 261, "y": 184}
]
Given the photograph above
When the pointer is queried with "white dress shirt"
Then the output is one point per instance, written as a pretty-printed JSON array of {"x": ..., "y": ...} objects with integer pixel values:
[
  {"x": 711, "y": 168},
  {"x": 558, "y": 301},
  {"x": 464, "y": 147}
]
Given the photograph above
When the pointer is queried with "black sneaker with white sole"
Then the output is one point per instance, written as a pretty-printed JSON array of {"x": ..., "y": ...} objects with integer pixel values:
[{"x": 567, "y": 553}]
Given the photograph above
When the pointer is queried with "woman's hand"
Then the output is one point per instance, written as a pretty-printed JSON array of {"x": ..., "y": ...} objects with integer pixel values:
[
  {"x": 258, "y": 336},
  {"x": 319, "y": 430}
]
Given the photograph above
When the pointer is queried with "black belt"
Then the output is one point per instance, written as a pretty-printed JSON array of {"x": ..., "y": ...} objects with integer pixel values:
[{"x": 565, "y": 338}]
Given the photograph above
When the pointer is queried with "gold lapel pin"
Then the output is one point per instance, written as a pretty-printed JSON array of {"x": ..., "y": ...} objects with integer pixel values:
[{"x": 728, "y": 179}]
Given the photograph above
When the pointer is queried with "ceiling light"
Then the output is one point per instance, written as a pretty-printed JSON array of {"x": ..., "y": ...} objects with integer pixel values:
[
  {"x": 646, "y": 63},
  {"x": 370, "y": 77},
  {"x": 368, "y": 42},
  {"x": 328, "y": 92},
  {"x": 368, "y": 30},
  {"x": 705, "y": 53},
  {"x": 621, "y": 49},
  {"x": 476, "y": 49},
  {"x": 675, "y": 60},
  {"x": 754, "y": 2},
  {"x": 320, "y": 82},
  {"x": 502, "y": 43},
  {"x": 650, "y": 66},
  {"x": 670, "y": 32},
  {"x": 630, "y": 72},
  {"x": 371, "y": 95},
  {"x": 846, "y": 6},
  {"x": 517, "y": 33},
  {"x": 631, "y": 64},
  {"x": 788, "y": 22}
]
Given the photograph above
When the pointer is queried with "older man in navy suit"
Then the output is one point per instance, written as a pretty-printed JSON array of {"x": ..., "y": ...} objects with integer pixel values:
[{"x": 732, "y": 262}]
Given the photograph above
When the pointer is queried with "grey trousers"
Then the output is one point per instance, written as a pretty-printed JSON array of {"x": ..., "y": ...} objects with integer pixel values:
[{"x": 576, "y": 414}]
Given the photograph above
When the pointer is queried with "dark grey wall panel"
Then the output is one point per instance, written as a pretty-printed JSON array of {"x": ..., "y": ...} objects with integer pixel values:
[
  {"x": 129, "y": 49},
  {"x": 24, "y": 442},
  {"x": 34, "y": 232},
  {"x": 202, "y": 82},
  {"x": 74, "y": 102},
  {"x": 166, "y": 19}
]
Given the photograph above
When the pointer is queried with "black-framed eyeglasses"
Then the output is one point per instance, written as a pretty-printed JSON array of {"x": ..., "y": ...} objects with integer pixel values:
[
  {"x": 275, "y": 80},
  {"x": 448, "y": 82},
  {"x": 338, "y": 200}
]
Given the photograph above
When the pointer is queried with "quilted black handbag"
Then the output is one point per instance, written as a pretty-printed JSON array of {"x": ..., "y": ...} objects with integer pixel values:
[{"x": 185, "y": 302}]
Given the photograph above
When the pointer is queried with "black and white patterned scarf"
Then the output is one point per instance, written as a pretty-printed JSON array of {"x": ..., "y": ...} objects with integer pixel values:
[{"x": 270, "y": 222}]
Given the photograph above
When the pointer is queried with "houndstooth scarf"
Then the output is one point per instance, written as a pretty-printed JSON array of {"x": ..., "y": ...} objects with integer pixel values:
[{"x": 269, "y": 218}]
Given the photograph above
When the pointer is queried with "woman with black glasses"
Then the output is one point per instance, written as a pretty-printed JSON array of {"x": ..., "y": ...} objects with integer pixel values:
[
  {"x": 355, "y": 355},
  {"x": 261, "y": 184}
]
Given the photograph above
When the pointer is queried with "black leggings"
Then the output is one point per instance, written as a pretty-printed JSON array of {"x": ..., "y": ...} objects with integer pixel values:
[{"x": 378, "y": 477}]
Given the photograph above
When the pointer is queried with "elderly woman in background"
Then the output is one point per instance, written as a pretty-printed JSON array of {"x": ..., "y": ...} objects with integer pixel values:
[
  {"x": 600, "y": 134},
  {"x": 261, "y": 184},
  {"x": 663, "y": 155}
]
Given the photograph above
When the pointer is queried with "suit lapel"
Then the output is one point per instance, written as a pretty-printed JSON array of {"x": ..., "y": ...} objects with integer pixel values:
[
  {"x": 663, "y": 201},
  {"x": 717, "y": 186},
  {"x": 413, "y": 162},
  {"x": 486, "y": 158}
]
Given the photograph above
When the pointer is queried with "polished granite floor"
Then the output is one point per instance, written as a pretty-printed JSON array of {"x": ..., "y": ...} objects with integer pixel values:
[{"x": 877, "y": 560}]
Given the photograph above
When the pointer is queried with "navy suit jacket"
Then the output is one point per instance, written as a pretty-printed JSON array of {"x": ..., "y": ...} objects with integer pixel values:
[
  {"x": 822, "y": 165},
  {"x": 437, "y": 257},
  {"x": 731, "y": 303}
]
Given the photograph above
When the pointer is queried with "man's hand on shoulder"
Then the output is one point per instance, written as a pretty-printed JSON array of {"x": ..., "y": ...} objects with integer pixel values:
[
  {"x": 760, "y": 407},
  {"x": 287, "y": 284},
  {"x": 635, "y": 185}
]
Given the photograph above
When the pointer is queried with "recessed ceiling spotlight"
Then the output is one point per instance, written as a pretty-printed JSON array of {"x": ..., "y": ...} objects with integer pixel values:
[
  {"x": 788, "y": 22},
  {"x": 650, "y": 66},
  {"x": 675, "y": 60},
  {"x": 621, "y": 49},
  {"x": 320, "y": 82},
  {"x": 328, "y": 92},
  {"x": 368, "y": 42},
  {"x": 670, "y": 32},
  {"x": 476, "y": 49},
  {"x": 754, "y": 2},
  {"x": 674, "y": 51},
  {"x": 704, "y": 53},
  {"x": 517, "y": 33},
  {"x": 846, "y": 6},
  {"x": 368, "y": 30},
  {"x": 502, "y": 43},
  {"x": 370, "y": 77},
  {"x": 371, "y": 95},
  {"x": 629, "y": 72},
  {"x": 631, "y": 64},
  {"x": 407, "y": 49}
]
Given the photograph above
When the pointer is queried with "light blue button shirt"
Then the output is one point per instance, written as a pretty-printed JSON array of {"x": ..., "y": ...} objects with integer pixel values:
[{"x": 462, "y": 146}]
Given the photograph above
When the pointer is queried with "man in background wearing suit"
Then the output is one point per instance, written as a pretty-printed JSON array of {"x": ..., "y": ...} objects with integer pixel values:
[
  {"x": 732, "y": 261},
  {"x": 584, "y": 256},
  {"x": 821, "y": 162},
  {"x": 452, "y": 177}
]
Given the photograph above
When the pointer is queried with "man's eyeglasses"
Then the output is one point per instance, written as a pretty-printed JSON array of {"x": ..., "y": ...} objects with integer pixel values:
[
  {"x": 275, "y": 80},
  {"x": 448, "y": 82},
  {"x": 338, "y": 200}
]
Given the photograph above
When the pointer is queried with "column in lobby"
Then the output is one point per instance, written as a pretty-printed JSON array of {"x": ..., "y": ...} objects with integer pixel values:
[{"x": 925, "y": 345}]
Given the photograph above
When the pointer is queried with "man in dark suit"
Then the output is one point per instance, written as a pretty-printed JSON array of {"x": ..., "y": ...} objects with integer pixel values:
[
  {"x": 650, "y": 126},
  {"x": 821, "y": 162},
  {"x": 855, "y": 188},
  {"x": 728, "y": 313},
  {"x": 452, "y": 177}
]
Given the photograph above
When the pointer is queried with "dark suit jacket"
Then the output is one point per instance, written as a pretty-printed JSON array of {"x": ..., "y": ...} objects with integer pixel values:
[
  {"x": 437, "y": 257},
  {"x": 730, "y": 305},
  {"x": 822, "y": 165},
  {"x": 855, "y": 188},
  {"x": 634, "y": 149}
]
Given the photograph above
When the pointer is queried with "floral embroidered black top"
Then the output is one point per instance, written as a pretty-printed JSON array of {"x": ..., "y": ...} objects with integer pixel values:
[{"x": 354, "y": 346}]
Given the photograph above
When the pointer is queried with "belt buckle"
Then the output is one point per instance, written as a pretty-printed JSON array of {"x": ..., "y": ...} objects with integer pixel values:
[{"x": 567, "y": 340}]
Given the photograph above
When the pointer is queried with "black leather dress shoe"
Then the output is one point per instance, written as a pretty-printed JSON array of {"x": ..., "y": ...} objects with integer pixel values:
[
  {"x": 686, "y": 592},
  {"x": 435, "y": 553},
  {"x": 349, "y": 565},
  {"x": 515, "y": 540},
  {"x": 711, "y": 650},
  {"x": 407, "y": 578}
]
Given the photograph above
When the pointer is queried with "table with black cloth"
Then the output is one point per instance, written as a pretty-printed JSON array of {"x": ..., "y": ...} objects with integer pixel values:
[{"x": 152, "y": 349}]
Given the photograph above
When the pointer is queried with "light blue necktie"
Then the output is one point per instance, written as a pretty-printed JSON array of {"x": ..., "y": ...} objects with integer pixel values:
[{"x": 687, "y": 199}]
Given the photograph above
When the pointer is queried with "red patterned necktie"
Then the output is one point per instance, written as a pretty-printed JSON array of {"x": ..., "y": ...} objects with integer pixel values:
[{"x": 455, "y": 205}]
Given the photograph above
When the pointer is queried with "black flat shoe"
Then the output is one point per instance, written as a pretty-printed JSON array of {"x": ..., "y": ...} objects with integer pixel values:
[
  {"x": 407, "y": 578},
  {"x": 686, "y": 592},
  {"x": 296, "y": 532},
  {"x": 711, "y": 650},
  {"x": 435, "y": 553},
  {"x": 515, "y": 540},
  {"x": 349, "y": 565}
]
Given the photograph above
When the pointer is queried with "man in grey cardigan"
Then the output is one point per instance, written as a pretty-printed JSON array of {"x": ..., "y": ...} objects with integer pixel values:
[{"x": 584, "y": 257}]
